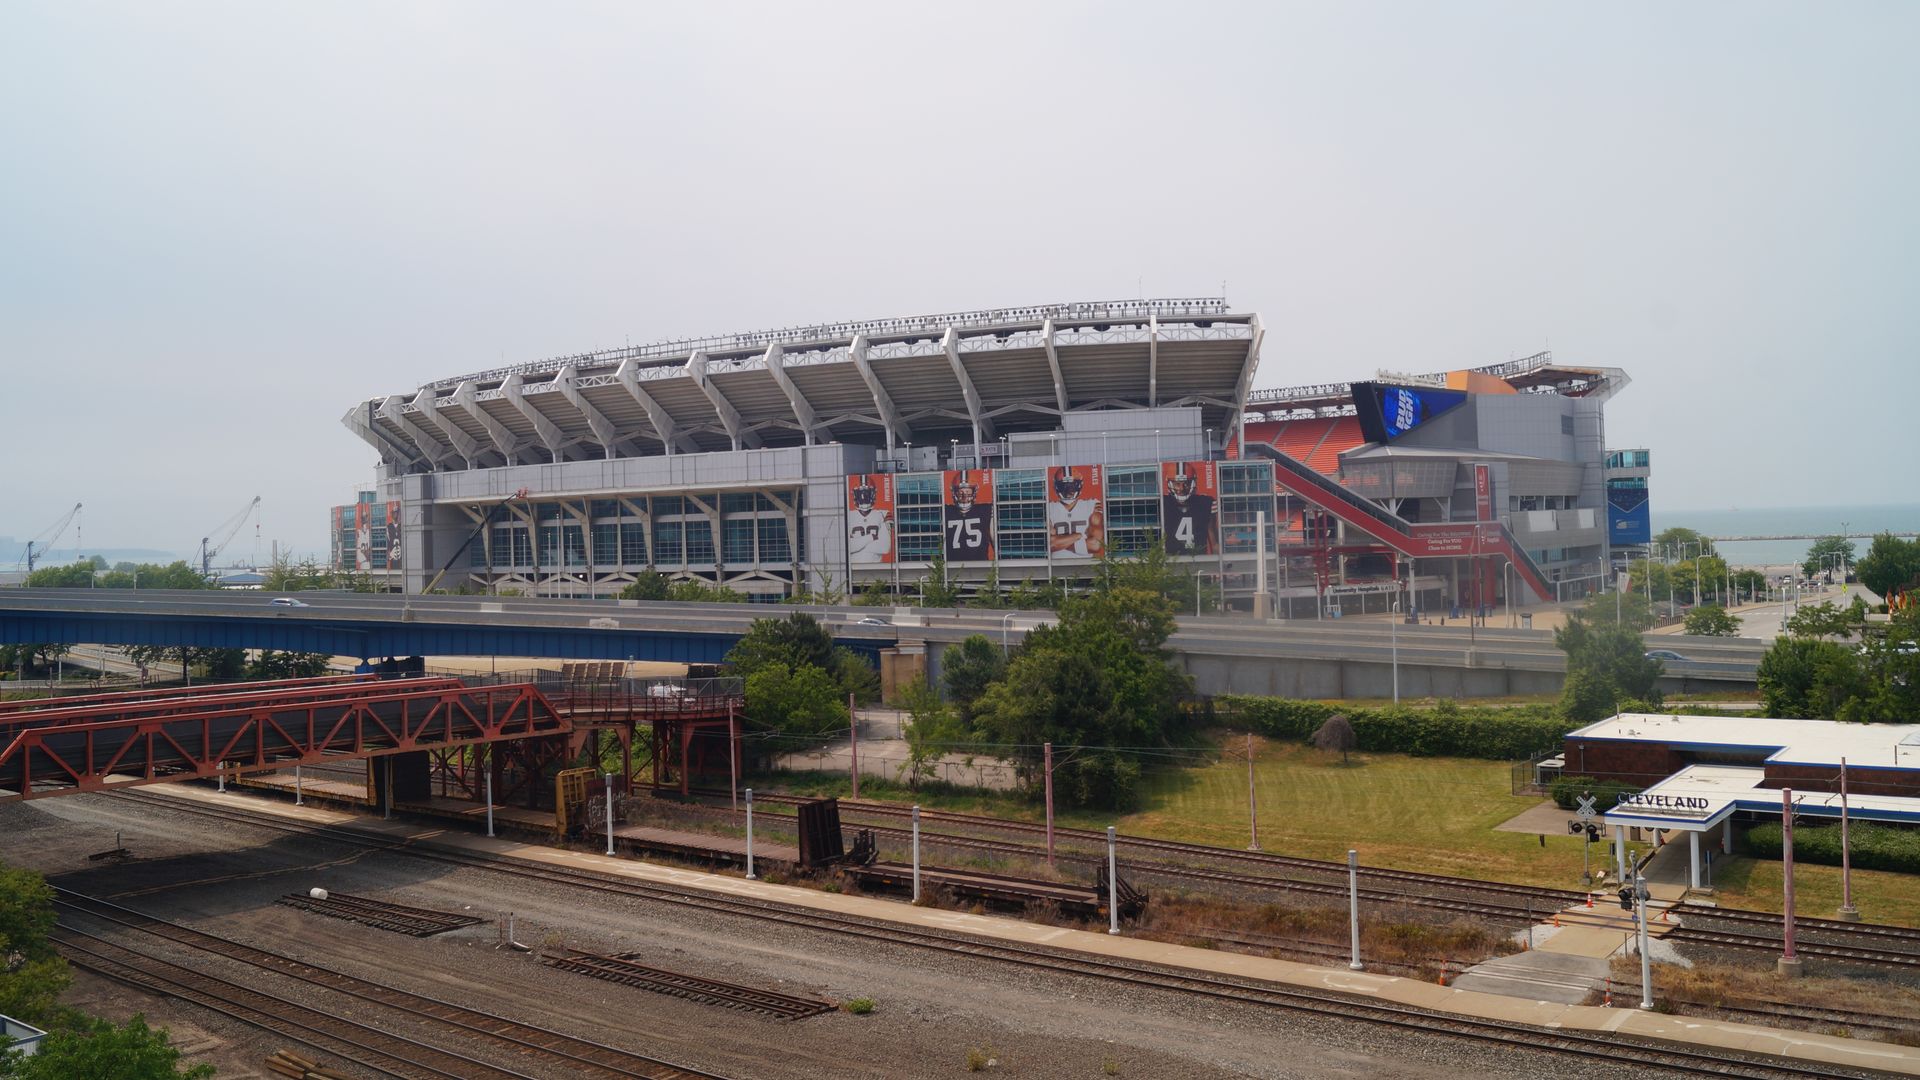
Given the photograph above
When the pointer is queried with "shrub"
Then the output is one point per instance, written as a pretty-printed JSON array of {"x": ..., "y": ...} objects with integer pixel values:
[
  {"x": 1565, "y": 789},
  {"x": 1495, "y": 734},
  {"x": 1875, "y": 847}
]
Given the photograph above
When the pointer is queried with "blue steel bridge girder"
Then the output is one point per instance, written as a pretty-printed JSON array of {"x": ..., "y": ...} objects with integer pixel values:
[{"x": 363, "y": 639}]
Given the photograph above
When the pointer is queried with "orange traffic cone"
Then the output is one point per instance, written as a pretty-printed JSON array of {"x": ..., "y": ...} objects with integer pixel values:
[
  {"x": 1556, "y": 919},
  {"x": 1589, "y": 899},
  {"x": 1442, "y": 980},
  {"x": 1608, "y": 1001}
]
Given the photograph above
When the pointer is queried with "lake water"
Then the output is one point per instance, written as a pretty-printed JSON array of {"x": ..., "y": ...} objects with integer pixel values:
[{"x": 1862, "y": 523}]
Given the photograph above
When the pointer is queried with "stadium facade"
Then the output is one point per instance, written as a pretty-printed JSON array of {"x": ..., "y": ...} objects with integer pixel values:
[{"x": 1010, "y": 445}]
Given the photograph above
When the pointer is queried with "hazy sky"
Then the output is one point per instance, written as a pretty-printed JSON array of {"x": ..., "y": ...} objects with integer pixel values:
[{"x": 221, "y": 226}]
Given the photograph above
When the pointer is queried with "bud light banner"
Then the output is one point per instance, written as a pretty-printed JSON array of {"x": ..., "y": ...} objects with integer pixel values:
[
  {"x": 1076, "y": 527},
  {"x": 1629, "y": 517},
  {"x": 968, "y": 515},
  {"x": 1188, "y": 489},
  {"x": 1388, "y": 412},
  {"x": 870, "y": 518}
]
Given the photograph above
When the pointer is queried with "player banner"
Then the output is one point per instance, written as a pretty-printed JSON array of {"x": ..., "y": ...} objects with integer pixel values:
[
  {"x": 393, "y": 536},
  {"x": 1188, "y": 490},
  {"x": 870, "y": 518},
  {"x": 969, "y": 515},
  {"x": 1076, "y": 527},
  {"x": 362, "y": 536}
]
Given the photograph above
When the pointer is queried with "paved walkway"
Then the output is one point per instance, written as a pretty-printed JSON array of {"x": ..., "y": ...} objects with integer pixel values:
[{"x": 1536, "y": 1012}]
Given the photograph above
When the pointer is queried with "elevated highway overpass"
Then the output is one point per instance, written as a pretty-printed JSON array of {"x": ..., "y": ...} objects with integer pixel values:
[{"x": 1332, "y": 658}]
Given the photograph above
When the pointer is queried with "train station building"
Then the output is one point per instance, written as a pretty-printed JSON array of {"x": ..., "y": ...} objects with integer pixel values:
[{"x": 1705, "y": 776}]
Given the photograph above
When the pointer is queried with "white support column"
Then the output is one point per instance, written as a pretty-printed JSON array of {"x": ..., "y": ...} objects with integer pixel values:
[
  {"x": 1249, "y": 365},
  {"x": 428, "y": 406},
  {"x": 1053, "y": 365},
  {"x": 664, "y": 427},
  {"x": 432, "y": 447},
  {"x": 1153, "y": 361},
  {"x": 550, "y": 434},
  {"x": 882, "y": 401},
  {"x": 359, "y": 420},
  {"x": 975, "y": 410},
  {"x": 597, "y": 422},
  {"x": 1693, "y": 860},
  {"x": 1620, "y": 850},
  {"x": 802, "y": 408},
  {"x": 467, "y": 398},
  {"x": 696, "y": 369}
]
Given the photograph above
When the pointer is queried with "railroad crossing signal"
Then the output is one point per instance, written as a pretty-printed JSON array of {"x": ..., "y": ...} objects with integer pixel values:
[{"x": 1586, "y": 811}]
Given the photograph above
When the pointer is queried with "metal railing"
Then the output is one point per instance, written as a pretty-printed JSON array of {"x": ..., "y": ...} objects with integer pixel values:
[{"x": 683, "y": 347}]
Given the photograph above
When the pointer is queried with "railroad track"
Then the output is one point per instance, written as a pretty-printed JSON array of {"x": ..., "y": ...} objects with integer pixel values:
[
  {"x": 381, "y": 915},
  {"x": 541, "y": 1046},
  {"x": 626, "y": 970},
  {"x": 1900, "y": 946},
  {"x": 383, "y": 1052},
  {"x": 1609, "y": 1047}
]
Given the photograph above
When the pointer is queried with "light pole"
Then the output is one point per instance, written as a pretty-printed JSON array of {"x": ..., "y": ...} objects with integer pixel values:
[
  {"x": 1156, "y": 444},
  {"x": 1393, "y": 634},
  {"x": 1006, "y": 622}
]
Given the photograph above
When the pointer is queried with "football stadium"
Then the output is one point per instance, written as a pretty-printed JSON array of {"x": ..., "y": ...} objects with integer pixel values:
[{"x": 995, "y": 448}]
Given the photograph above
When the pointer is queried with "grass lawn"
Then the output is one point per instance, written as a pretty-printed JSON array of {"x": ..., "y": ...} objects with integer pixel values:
[
  {"x": 1882, "y": 897},
  {"x": 1412, "y": 813},
  {"x": 1433, "y": 814}
]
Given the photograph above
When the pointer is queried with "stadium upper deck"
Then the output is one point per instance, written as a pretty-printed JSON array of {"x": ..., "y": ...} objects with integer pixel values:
[{"x": 970, "y": 376}]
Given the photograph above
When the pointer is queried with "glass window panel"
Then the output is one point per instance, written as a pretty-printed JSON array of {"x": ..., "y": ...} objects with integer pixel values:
[
  {"x": 773, "y": 540},
  {"x": 668, "y": 542},
  {"x": 699, "y": 541},
  {"x": 633, "y": 543},
  {"x": 737, "y": 539}
]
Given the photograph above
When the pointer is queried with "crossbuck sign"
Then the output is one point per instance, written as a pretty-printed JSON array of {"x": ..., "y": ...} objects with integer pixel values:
[{"x": 1586, "y": 811}]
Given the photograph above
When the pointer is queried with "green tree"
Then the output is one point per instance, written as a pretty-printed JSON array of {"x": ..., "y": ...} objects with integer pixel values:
[
  {"x": 1827, "y": 619},
  {"x": 1629, "y": 609},
  {"x": 1890, "y": 564},
  {"x": 792, "y": 641},
  {"x": 647, "y": 585},
  {"x": 1712, "y": 620},
  {"x": 1030, "y": 595},
  {"x": 1100, "y": 679},
  {"x": 98, "y": 1050},
  {"x": 937, "y": 589},
  {"x": 855, "y": 675},
  {"x": 932, "y": 729},
  {"x": 78, "y": 575},
  {"x": 32, "y": 975},
  {"x": 1605, "y": 661},
  {"x": 967, "y": 669},
  {"x": 704, "y": 592},
  {"x": 873, "y": 594},
  {"x": 274, "y": 664},
  {"x": 1827, "y": 551},
  {"x": 795, "y": 701},
  {"x": 1807, "y": 679},
  {"x": 1678, "y": 536},
  {"x": 286, "y": 575},
  {"x": 31, "y": 657}
]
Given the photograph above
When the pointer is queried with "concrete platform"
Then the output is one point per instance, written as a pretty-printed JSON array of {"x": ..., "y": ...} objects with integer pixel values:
[
  {"x": 1540, "y": 974},
  {"x": 1798, "y": 1045}
]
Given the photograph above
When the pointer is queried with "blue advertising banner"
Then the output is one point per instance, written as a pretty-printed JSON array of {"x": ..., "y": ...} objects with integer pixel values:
[
  {"x": 1629, "y": 517},
  {"x": 1388, "y": 412}
]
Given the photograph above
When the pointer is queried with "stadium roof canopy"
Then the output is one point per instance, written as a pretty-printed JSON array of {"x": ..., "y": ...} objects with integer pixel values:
[
  {"x": 923, "y": 379},
  {"x": 1536, "y": 374}
]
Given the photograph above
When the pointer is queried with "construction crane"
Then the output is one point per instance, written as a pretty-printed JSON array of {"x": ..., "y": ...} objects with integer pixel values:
[
  {"x": 52, "y": 536},
  {"x": 461, "y": 548},
  {"x": 225, "y": 531}
]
